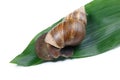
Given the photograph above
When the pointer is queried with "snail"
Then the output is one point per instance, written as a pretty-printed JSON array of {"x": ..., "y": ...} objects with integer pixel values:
[{"x": 61, "y": 39}]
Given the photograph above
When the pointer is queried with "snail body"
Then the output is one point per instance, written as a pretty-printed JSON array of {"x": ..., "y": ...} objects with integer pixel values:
[{"x": 70, "y": 32}]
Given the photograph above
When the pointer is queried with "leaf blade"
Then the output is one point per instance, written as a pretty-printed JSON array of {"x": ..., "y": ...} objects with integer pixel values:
[{"x": 103, "y": 33}]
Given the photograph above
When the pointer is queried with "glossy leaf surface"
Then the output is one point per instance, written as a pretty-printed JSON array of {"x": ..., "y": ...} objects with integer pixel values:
[{"x": 103, "y": 33}]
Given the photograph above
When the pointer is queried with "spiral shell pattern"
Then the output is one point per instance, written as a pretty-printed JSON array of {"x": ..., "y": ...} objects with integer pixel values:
[{"x": 70, "y": 31}]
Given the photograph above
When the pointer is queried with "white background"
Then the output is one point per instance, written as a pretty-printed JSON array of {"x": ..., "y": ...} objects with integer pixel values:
[{"x": 21, "y": 20}]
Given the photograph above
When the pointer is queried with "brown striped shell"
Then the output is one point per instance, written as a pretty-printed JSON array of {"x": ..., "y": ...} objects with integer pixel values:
[
  {"x": 60, "y": 40},
  {"x": 70, "y": 31}
]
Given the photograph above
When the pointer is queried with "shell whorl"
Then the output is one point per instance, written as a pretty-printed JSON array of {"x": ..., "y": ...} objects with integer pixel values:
[{"x": 70, "y": 31}]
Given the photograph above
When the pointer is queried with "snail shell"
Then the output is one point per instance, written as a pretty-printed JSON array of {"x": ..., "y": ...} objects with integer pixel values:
[
  {"x": 70, "y": 31},
  {"x": 61, "y": 39}
]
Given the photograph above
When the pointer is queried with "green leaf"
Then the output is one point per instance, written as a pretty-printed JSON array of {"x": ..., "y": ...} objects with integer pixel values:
[{"x": 103, "y": 33}]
